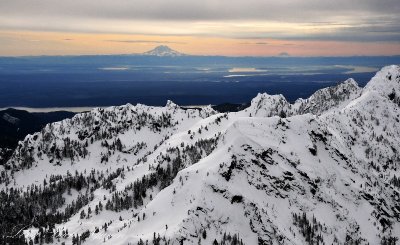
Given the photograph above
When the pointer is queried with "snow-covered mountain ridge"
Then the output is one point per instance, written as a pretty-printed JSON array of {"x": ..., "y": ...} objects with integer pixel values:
[
  {"x": 323, "y": 100},
  {"x": 322, "y": 170}
]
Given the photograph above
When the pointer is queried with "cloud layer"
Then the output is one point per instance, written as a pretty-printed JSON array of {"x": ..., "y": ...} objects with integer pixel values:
[{"x": 339, "y": 20}]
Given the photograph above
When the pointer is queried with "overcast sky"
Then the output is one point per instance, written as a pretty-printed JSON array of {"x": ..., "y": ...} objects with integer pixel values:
[{"x": 374, "y": 24}]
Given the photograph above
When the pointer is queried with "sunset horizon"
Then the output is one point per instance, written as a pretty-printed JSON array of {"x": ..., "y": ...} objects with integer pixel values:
[
  {"x": 36, "y": 43},
  {"x": 312, "y": 28}
]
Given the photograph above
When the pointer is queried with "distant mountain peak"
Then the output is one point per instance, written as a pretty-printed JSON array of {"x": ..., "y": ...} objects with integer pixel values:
[
  {"x": 163, "y": 50},
  {"x": 284, "y": 54}
]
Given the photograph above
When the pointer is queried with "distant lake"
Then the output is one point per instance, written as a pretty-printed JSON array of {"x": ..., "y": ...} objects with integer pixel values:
[{"x": 92, "y": 81}]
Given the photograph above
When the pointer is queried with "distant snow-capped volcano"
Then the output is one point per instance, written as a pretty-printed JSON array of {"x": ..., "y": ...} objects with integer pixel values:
[{"x": 163, "y": 50}]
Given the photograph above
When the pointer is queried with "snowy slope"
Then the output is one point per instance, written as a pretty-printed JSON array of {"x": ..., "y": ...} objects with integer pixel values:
[{"x": 322, "y": 169}]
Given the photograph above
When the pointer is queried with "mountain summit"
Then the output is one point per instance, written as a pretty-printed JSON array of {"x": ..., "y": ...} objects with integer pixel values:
[{"x": 163, "y": 50}]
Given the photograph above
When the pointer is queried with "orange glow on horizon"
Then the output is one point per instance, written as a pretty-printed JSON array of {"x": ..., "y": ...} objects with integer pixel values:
[{"x": 20, "y": 43}]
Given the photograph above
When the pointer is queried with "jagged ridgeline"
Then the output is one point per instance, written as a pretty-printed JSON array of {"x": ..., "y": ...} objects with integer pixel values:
[{"x": 323, "y": 170}]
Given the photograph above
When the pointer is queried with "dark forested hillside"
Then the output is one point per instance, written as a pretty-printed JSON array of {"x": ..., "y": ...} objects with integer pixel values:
[{"x": 16, "y": 124}]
